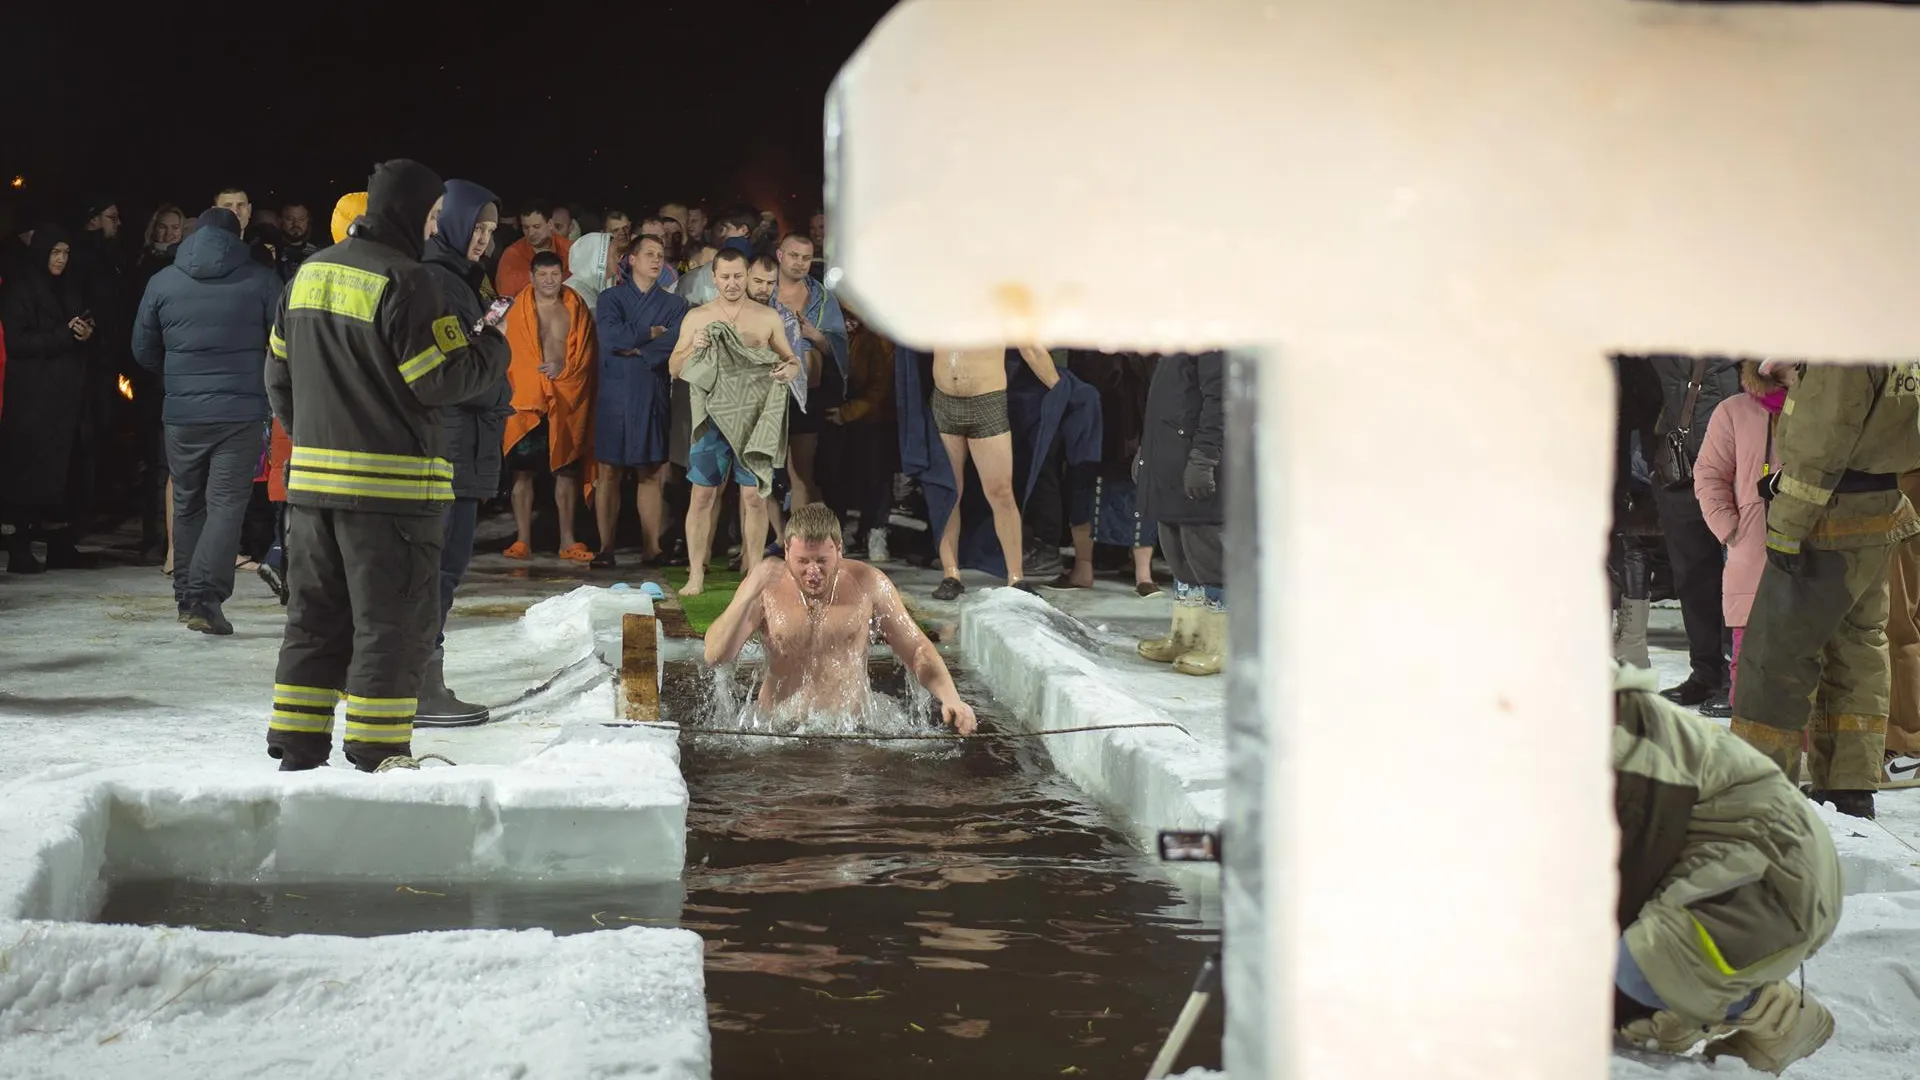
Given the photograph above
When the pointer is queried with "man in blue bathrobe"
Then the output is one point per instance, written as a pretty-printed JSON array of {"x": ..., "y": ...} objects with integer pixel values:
[{"x": 638, "y": 323}]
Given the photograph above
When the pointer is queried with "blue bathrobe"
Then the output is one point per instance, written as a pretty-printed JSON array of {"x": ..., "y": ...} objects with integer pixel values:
[
  {"x": 634, "y": 404},
  {"x": 1070, "y": 411}
]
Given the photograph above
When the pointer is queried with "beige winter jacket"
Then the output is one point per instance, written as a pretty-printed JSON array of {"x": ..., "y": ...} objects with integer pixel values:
[{"x": 1728, "y": 880}]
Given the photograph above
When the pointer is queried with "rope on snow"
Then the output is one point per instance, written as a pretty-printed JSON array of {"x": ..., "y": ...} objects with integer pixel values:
[{"x": 858, "y": 736}]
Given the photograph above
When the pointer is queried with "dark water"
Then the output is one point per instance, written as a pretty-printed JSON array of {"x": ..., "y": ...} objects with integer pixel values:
[
  {"x": 933, "y": 911},
  {"x": 925, "y": 910}
]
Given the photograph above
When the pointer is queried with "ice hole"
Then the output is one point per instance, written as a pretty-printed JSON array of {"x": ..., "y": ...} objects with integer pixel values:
[{"x": 502, "y": 838}]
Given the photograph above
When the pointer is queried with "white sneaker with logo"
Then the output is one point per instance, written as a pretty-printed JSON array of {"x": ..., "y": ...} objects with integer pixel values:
[{"x": 1903, "y": 770}]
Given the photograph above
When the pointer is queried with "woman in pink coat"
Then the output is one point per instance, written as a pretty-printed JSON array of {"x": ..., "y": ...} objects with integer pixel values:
[{"x": 1738, "y": 450}]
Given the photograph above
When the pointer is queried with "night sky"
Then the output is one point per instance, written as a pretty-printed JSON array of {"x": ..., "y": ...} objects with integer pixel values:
[{"x": 627, "y": 104}]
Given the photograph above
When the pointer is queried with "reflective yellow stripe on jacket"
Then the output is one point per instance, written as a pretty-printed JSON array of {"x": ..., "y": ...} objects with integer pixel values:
[
  {"x": 370, "y": 476},
  {"x": 413, "y": 369}
]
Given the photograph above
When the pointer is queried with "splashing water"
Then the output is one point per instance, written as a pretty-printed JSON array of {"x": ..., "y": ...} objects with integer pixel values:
[{"x": 728, "y": 697}]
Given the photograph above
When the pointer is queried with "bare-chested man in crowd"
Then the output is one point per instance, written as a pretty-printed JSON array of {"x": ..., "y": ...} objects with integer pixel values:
[
  {"x": 815, "y": 610},
  {"x": 970, "y": 409},
  {"x": 710, "y": 459}
]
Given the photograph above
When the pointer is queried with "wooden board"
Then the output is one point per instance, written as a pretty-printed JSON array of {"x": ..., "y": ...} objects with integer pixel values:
[{"x": 639, "y": 668}]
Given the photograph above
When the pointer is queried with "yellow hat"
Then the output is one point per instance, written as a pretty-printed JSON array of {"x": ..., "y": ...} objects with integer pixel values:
[{"x": 349, "y": 207}]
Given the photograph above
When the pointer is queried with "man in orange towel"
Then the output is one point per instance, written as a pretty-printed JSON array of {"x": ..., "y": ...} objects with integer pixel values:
[
  {"x": 516, "y": 263},
  {"x": 551, "y": 331}
]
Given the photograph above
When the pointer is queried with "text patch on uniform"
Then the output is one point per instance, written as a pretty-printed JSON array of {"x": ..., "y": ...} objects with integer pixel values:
[{"x": 336, "y": 289}]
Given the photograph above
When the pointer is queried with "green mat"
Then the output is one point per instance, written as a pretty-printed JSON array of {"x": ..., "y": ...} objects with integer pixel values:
[{"x": 703, "y": 609}]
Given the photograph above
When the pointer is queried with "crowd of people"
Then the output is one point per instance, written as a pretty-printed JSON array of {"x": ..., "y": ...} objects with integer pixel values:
[
  {"x": 449, "y": 351},
  {"x": 648, "y": 361},
  {"x": 1780, "y": 496}
]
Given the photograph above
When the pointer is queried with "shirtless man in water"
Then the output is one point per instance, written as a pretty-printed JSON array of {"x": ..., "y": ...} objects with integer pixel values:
[
  {"x": 710, "y": 459},
  {"x": 970, "y": 409},
  {"x": 816, "y": 610}
]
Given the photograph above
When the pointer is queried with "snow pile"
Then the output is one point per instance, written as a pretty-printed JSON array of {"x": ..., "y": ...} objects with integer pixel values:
[
  {"x": 598, "y": 804},
  {"x": 588, "y": 619},
  {"x": 152, "y": 764},
  {"x": 125, "y": 1001},
  {"x": 1053, "y": 671}
]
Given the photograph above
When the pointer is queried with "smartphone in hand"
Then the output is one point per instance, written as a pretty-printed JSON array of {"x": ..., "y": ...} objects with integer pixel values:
[{"x": 496, "y": 314}]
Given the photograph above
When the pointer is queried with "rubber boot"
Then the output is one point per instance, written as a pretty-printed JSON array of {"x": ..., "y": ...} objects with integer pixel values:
[
  {"x": 1852, "y": 803},
  {"x": 1667, "y": 1033},
  {"x": 1186, "y": 621},
  {"x": 438, "y": 706},
  {"x": 63, "y": 554},
  {"x": 1630, "y": 619},
  {"x": 1783, "y": 1026},
  {"x": 1209, "y": 649},
  {"x": 1630, "y": 633}
]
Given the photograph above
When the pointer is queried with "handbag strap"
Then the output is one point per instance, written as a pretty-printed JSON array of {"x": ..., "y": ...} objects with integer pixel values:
[{"x": 1693, "y": 395}]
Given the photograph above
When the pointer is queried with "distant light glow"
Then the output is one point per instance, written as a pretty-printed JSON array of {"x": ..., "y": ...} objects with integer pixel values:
[{"x": 18, "y": 182}]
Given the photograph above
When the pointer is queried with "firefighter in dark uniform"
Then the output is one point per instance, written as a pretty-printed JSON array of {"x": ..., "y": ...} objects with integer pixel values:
[
  {"x": 364, "y": 354},
  {"x": 1815, "y": 650}
]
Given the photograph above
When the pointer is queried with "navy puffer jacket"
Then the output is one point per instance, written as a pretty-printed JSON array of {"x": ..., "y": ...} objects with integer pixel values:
[{"x": 203, "y": 325}]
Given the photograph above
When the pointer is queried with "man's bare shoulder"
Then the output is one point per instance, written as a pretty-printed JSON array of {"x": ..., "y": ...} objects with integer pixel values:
[
  {"x": 702, "y": 315},
  {"x": 763, "y": 315},
  {"x": 873, "y": 582}
]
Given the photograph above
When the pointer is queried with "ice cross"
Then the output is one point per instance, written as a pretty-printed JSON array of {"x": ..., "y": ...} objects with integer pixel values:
[{"x": 1437, "y": 218}]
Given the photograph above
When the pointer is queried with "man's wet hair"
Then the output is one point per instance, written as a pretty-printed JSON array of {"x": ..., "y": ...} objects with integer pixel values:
[
  {"x": 764, "y": 262},
  {"x": 547, "y": 258},
  {"x": 728, "y": 255},
  {"x": 613, "y": 212},
  {"x": 647, "y": 238},
  {"x": 543, "y": 207},
  {"x": 796, "y": 235},
  {"x": 814, "y": 521}
]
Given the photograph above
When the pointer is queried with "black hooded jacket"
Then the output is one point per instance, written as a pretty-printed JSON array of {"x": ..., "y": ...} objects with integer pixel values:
[
  {"x": 476, "y": 427},
  {"x": 365, "y": 353},
  {"x": 46, "y": 376}
]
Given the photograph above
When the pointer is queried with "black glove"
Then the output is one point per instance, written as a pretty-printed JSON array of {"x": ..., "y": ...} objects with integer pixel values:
[
  {"x": 1198, "y": 479},
  {"x": 1769, "y": 485},
  {"x": 1789, "y": 562}
]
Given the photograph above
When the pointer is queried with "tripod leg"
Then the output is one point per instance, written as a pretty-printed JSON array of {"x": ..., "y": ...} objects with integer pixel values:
[{"x": 1205, "y": 986}]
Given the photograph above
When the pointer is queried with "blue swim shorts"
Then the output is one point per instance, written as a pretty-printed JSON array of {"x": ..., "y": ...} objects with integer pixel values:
[{"x": 710, "y": 458}]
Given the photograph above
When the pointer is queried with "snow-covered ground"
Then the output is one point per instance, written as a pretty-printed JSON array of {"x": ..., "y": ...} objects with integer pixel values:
[
  {"x": 1056, "y": 671},
  {"x": 130, "y": 746}
]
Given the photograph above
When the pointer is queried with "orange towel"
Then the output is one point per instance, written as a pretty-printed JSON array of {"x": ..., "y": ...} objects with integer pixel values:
[
  {"x": 516, "y": 264},
  {"x": 565, "y": 402}
]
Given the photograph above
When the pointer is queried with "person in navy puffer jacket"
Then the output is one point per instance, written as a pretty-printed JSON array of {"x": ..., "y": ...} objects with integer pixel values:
[{"x": 203, "y": 325}]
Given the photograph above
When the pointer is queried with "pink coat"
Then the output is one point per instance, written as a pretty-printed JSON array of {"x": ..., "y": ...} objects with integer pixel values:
[{"x": 1726, "y": 479}]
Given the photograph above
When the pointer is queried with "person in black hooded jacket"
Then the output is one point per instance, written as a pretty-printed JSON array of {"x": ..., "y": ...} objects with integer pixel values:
[
  {"x": 363, "y": 356},
  {"x": 48, "y": 345},
  {"x": 462, "y": 231}
]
